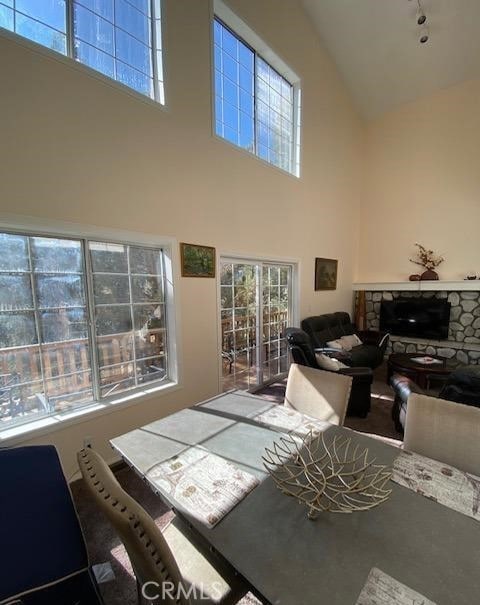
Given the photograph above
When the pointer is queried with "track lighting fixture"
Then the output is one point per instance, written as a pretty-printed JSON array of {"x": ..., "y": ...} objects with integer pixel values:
[{"x": 422, "y": 20}]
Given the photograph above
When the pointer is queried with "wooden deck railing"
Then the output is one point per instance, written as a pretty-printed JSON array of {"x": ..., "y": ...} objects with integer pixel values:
[
  {"x": 66, "y": 364},
  {"x": 246, "y": 331}
]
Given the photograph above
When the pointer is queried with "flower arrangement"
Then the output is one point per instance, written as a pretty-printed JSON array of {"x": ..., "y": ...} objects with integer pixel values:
[{"x": 427, "y": 258}]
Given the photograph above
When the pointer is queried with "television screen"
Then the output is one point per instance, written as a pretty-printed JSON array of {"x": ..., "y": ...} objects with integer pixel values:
[{"x": 416, "y": 317}]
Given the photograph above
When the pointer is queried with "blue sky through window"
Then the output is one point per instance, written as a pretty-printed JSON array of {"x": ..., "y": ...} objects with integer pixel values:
[
  {"x": 113, "y": 37},
  {"x": 234, "y": 85},
  {"x": 253, "y": 102},
  {"x": 43, "y": 21}
]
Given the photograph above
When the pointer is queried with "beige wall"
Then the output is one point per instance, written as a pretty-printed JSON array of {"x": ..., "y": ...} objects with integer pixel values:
[
  {"x": 74, "y": 148},
  {"x": 423, "y": 185}
]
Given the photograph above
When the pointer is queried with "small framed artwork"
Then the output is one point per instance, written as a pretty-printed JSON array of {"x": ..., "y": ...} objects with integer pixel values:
[
  {"x": 326, "y": 274},
  {"x": 197, "y": 261}
]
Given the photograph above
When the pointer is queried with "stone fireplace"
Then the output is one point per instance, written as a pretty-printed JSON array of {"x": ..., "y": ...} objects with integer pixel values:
[{"x": 463, "y": 342}]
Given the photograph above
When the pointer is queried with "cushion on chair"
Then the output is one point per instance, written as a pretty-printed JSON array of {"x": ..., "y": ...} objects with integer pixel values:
[
  {"x": 336, "y": 344},
  {"x": 329, "y": 363},
  {"x": 320, "y": 394},
  {"x": 345, "y": 343},
  {"x": 445, "y": 431},
  {"x": 38, "y": 516}
]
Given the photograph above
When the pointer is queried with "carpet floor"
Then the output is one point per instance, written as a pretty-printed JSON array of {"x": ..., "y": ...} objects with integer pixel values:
[{"x": 103, "y": 544}]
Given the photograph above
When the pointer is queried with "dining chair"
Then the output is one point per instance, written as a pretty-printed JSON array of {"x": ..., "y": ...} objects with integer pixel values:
[
  {"x": 444, "y": 430},
  {"x": 166, "y": 562},
  {"x": 318, "y": 393}
]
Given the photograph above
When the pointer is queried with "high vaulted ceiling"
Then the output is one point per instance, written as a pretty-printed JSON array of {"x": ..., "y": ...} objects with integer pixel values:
[{"x": 375, "y": 44}]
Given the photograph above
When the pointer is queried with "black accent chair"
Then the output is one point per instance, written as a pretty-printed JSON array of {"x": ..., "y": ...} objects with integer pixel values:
[
  {"x": 301, "y": 349},
  {"x": 323, "y": 328},
  {"x": 462, "y": 386}
]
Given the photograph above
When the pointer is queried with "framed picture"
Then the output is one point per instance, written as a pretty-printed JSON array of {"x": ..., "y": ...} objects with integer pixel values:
[
  {"x": 197, "y": 261},
  {"x": 326, "y": 274}
]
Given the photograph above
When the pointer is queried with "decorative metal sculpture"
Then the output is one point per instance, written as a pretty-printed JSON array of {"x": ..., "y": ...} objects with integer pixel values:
[{"x": 337, "y": 478}]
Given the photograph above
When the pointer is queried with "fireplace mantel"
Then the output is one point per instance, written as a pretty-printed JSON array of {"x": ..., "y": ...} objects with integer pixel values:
[{"x": 420, "y": 286}]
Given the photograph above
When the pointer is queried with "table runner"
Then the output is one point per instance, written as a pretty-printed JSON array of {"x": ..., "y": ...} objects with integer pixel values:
[
  {"x": 288, "y": 420},
  {"x": 382, "y": 589},
  {"x": 444, "y": 484},
  {"x": 205, "y": 485}
]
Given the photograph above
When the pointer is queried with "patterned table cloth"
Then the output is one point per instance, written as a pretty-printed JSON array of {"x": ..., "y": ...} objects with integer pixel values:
[
  {"x": 382, "y": 589},
  {"x": 437, "y": 481},
  {"x": 290, "y": 420},
  {"x": 205, "y": 485}
]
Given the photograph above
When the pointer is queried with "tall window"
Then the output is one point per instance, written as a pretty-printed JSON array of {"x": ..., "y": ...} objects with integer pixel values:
[
  {"x": 119, "y": 38},
  {"x": 254, "y": 104},
  {"x": 256, "y": 301},
  {"x": 79, "y": 321}
]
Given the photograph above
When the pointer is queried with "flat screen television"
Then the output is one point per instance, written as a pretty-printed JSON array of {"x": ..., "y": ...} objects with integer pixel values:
[{"x": 417, "y": 317}]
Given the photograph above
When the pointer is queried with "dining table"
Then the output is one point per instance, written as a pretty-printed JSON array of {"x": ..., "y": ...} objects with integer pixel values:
[{"x": 289, "y": 559}]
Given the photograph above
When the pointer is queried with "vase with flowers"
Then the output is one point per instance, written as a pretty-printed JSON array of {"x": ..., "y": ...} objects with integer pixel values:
[{"x": 429, "y": 261}]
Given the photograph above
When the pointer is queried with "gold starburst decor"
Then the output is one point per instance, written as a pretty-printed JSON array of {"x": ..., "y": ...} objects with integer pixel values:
[{"x": 335, "y": 477}]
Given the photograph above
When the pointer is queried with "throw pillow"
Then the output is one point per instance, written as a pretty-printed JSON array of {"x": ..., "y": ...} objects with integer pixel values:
[
  {"x": 335, "y": 344},
  {"x": 348, "y": 342},
  {"x": 328, "y": 363}
]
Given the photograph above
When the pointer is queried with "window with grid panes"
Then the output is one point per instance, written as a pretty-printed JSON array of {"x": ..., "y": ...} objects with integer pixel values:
[
  {"x": 80, "y": 321},
  {"x": 121, "y": 39},
  {"x": 254, "y": 104}
]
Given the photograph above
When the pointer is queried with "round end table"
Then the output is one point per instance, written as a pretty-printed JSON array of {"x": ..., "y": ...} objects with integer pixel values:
[{"x": 404, "y": 363}]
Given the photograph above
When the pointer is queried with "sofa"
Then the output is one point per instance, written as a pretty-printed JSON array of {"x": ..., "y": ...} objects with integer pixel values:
[
  {"x": 462, "y": 386},
  {"x": 331, "y": 326},
  {"x": 302, "y": 352}
]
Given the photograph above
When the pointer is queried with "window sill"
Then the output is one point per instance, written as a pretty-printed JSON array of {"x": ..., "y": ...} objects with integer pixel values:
[
  {"x": 82, "y": 68},
  {"x": 43, "y": 426}
]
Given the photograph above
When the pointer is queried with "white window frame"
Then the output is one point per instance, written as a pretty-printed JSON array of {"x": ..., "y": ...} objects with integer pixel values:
[
  {"x": 159, "y": 71},
  {"x": 242, "y": 31},
  {"x": 40, "y": 227},
  {"x": 254, "y": 260}
]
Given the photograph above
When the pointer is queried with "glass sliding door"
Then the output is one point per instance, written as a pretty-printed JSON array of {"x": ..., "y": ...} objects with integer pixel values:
[
  {"x": 255, "y": 307},
  {"x": 277, "y": 288},
  {"x": 239, "y": 300}
]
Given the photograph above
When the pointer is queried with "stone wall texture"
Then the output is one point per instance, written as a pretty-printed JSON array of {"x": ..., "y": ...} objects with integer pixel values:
[{"x": 463, "y": 342}]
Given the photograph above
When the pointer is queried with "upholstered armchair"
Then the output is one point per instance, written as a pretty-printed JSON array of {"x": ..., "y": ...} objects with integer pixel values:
[{"x": 303, "y": 353}]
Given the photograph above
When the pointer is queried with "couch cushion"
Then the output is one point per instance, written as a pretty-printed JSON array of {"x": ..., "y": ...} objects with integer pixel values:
[
  {"x": 365, "y": 355},
  {"x": 329, "y": 326}
]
